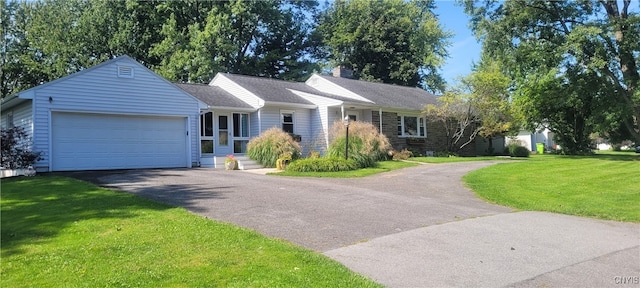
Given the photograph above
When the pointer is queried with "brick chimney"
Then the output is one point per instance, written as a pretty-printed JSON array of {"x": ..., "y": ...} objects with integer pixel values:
[{"x": 342, "y": 72}]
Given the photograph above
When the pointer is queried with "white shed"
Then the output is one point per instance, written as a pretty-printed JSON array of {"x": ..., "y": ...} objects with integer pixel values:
[{"x": 116, "y": 115}]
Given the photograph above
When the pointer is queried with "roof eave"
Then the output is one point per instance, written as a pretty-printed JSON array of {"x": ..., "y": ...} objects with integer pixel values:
[{"x": 289, "y": 104}]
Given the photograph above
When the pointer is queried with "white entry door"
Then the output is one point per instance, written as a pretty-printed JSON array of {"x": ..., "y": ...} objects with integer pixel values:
[{"x": 224, "y": 135}]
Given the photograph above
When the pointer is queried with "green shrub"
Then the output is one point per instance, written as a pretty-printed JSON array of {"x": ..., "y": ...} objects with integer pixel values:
[
  {"x": 271, "y": 145},
  {"x": 366, "y": 145},
  {"x": 314, "y": 154},
  {"x": 322, "y": 165},
  {"x": 518, "y": 151},
  {"x": 445, "y": 154}
]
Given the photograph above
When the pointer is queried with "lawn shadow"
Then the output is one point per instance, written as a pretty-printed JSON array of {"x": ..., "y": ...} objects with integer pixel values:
[
  {"x": 619, "y": 157},
  {"x": 147, "y": 183},
  {"x": 36, "y": 209},
  {"x": 607, "y": 157}
]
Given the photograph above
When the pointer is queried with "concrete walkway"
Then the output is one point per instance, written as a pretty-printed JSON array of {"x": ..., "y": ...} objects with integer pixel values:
[{"x": 416, "y": 227}]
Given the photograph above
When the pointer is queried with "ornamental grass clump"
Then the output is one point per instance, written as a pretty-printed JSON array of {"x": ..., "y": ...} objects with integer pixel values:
[
  {"x": 271, "y": 145},
  {"x": 367, "y": 146}
]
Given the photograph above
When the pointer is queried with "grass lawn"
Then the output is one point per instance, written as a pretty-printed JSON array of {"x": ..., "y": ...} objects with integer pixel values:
[
  {"x": 605, "y": 186},
  {"x": 383, "y": 166},
  {"x": 62, "y": 232},
  {"x": 437, "y": 160}
]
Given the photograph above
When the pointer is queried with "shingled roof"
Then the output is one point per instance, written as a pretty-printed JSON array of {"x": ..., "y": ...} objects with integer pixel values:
[
  {"x": 386, "y": 95},
  {"x": 213, "y": 96},
  {"x": 270, "y": 90}
]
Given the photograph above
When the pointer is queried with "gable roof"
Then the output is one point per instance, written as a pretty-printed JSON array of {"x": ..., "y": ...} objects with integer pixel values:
[
  {"x": 28, "y": 94},
  {"x": 386, "y": 95},
  {"x": 213, "y": 96}
]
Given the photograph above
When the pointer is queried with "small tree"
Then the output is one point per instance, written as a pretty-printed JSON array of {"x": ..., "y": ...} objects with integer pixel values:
[
  {"x": 15, "y": 149},
  {"x": 489, "y": 98},
  {"x": 456, "y": 115}
]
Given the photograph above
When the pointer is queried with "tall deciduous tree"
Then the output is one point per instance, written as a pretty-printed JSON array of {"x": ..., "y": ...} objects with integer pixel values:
[
  {"x": 262, "y": 38},
  {"x": 183, "y": 40},
  {"x": 580, "y": 56},
  {"x": 390, "y": 41}
]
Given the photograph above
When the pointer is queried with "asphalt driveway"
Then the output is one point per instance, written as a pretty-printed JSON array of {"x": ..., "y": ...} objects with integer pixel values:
[{"x": 416, "y": 227}]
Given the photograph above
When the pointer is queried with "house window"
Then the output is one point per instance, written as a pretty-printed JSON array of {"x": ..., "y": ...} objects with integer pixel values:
[
  {"x": 206, "y": 133},
  {"x": 240, "y": 132},
  {"x": 411, "y": 126},
  {"x": 206, "y": 124},
  {"x": 240, "y": 125},
  {"x": 287, "y": 121}
]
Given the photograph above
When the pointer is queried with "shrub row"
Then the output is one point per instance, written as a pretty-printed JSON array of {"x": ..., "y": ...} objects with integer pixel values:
[
  {"x": 323, "y": 165},
  {"x": 517, "y": 150}
]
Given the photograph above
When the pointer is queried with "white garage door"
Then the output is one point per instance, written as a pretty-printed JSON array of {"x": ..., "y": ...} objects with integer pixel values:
[{"x": 82, "y": 141}]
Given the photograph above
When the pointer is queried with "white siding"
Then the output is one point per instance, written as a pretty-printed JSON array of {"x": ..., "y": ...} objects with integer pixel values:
[
  {"x": 301, "y": 126},
  {"x": 319, "y": 129},
  {"x": 270, "y": 117},
  {"x": 22, "y": 116},
  {"x": 328, "y": 87},
  {"x": 254, "y": 124},
  {"x": 99, "y": 90},
  {"x": 236, "y": 90}
]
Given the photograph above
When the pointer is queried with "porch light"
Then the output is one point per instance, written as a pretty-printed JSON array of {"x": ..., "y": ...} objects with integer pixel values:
[{"x": 346, "y": 142}]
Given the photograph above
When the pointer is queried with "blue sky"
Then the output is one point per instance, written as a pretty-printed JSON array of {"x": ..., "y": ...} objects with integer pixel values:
[{"x": 464, "y": 49}]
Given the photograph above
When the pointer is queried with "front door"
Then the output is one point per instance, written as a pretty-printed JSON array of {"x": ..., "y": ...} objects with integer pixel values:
[{"x": 223, "y": 133}]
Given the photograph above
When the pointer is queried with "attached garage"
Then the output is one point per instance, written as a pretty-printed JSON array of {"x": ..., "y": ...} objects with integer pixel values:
[
  {"x": 83, "y": 141},
  {"x": 115, "y": 115}
]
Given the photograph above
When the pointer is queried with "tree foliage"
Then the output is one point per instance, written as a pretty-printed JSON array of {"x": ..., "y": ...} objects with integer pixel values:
[
  {"x": 489, "y": 98},
  {"x": 15, "y": 152},
  {"x": 574, "y": 63},
  {"x": 479, "y": 106},
  {"x": 183, "y": 40},
  {"x": 390, "y": 41},
  {"x": 456, "y": 116}
]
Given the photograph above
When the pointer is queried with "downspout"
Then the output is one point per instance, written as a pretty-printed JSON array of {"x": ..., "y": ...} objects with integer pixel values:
[
  {"x": 380, "y": 115},
  {"x": 342, "y": 110},
  {"x": 259, "y": 121}
]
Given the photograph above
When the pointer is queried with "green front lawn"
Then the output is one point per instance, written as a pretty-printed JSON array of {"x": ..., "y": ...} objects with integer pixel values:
[
  {"x": 606, "y": 185},
  {"x": 62, "y": 232},
  {"x": 438, "y": 160},
  {"x": 383, "y": 166}
]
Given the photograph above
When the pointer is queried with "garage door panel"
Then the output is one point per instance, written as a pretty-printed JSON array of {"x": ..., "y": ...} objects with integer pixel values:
[{"x": 82, "y": 141}]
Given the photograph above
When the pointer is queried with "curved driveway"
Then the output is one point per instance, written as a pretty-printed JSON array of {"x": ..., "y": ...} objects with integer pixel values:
[{"x": 415, "y": 227}]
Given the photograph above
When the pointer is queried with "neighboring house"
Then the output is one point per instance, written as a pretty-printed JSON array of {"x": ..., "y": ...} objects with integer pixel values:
[
  {"x": 120, "y": 115},
  {"x": 529, "y": 139}
]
